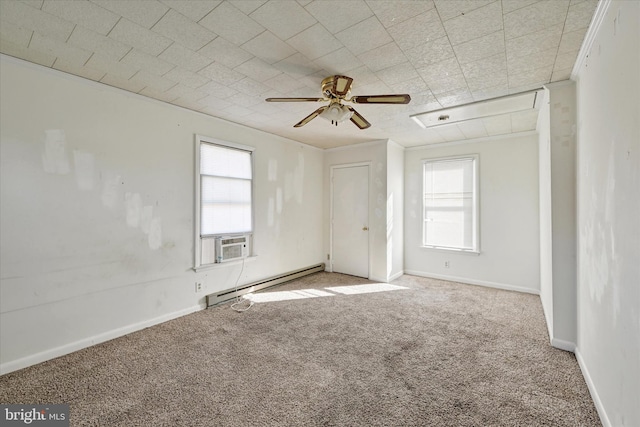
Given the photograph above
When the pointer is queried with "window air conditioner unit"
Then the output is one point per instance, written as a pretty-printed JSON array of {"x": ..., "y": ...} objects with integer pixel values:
[{"x": 231, "y": 248}]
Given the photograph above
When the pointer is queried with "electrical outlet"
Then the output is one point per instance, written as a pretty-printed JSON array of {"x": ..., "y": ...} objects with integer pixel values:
[
  {"x": 446, "y": 264},
  {"x": 198, "y": 287}
]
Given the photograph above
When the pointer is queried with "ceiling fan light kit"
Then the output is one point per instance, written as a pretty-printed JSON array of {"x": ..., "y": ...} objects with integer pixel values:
[{"x": 335, "y": 90}]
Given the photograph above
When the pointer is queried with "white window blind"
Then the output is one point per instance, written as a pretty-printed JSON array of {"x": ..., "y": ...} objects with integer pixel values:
[
  {"x": 450, "y": 204},
  {"x": 225, "y": 190}
]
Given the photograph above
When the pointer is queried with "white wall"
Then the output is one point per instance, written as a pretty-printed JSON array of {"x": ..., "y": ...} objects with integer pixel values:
[
  {"x": 608, "y": 93},
  {"x": 79, "y": 163},
  {"x": 395, "y": 210},
  {"x": 376, "y": 154},
  {"x": 544, "y": 185},
  {"x": 509, "y": 230}
]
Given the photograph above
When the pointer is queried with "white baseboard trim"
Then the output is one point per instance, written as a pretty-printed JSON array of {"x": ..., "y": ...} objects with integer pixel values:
[
  {"x": 473, "y": 282},
  {"x": 563, "y": 345},
  {"x": 395, "y": 276},
  {"x": 604, "y": 419},
  {"x": 378, "y": 279},
  {"x": 43, "y": 356}
]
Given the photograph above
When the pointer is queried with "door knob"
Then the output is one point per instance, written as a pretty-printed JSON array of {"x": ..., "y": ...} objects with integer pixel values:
[{"x": 365, "y": 228}]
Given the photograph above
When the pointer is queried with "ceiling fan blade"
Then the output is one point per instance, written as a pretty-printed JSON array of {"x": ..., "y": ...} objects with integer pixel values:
[
  {"x": 358, "y": 120},
  {"x": 310, "y": 117},
  {"x": 381, "y": 99},
  {"x": 295, "y": 99},
  {"x": 341, "y": 85}
]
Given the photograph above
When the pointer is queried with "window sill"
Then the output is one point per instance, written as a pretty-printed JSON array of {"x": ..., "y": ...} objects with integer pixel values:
[
  {"x": 225, "y": 264},
  {"x": 450, "y": 250}
]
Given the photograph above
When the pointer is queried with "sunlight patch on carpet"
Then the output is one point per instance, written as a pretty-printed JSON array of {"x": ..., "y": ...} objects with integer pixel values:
[{"x": 315, "y": 293}]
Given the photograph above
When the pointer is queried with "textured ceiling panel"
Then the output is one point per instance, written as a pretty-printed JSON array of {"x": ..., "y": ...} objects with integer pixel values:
[{"x": 223, "y": 58}]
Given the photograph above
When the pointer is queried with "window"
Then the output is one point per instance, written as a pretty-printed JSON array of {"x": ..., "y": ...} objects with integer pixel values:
[
  {"x": 451, "y": 204},
  {"x": 224, "y": 196}
]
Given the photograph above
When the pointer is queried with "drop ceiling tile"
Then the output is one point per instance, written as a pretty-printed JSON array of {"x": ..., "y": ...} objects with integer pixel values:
[
  {"x": 83, "y": 13},
  {"x": 122, "y": 83},
  {"x": 221, "y": 74},
  {"x": 364, "y": 36},
  {"x": 416, "y": 85},
  {"x": 580, "y": 15},
  {"x": 473, "y": 129},
  {"x": 571, "y": 41},
  {"x": 538, "y": 41},
  {"x": 447, "y": 84},
  {"x": 443, "y": 69},
  {"x": 314, "y": 42},
  {"x": 247, "y": 6},
  {"x": 94, "y": 42},
  {"x": 482, "y": 47},
  {"x": 183, "y": 31},
  {"x": 24, "y": 16},
  {"x": 430, "y": 53},
  {"x": 297, "y": 66},
  {"x": 393, "y": 12},
  {"x": 524, "y": 120},
  {"x": 283, "y": 83},
  {"x": 187, "y": 78},
  {"x": 531, "y": 77},
  {"x": 160, "y": 96},
  {"x": 214, "y": 103},
  {"x": 509, "y": 6},
  {"x": 225, "y": 52},
  {"x": 247, "y": 101},
  {"x": 268, "y": 47},
  {"x": 230, "y": 23},
  {"x": 304, "y": 2},
  {"x": 192, "y": 9},
  {"x": 185, "y": 58},
  {"x": 450, "y": 9},
  {"x": 185, "y": 92},
  {"x": 535, "y": 17},
  {"x": 238, "y": 111},
  {"x": 363, "y": 75},
  {"x": 455, "y": 97},
  {"x": 497, "y": 125},
  {"x": 337, "y": 15},
  {"x": 532, "y": 61},
  {"x": 565, "y": 60},
  {"x": 19, "y": 36},
  {"x": 338, "y": 62},
  {"x": 477, "y": 23},
  {"x": 114, "y": 68},
  {"x": 82, "y": 71},
  {"x": 285, "y": 19},
  {"x": 558, "y": 75},
  {"x": 383, "y": 57},
  {"x": 450, "y": 133},
  {"x": 145, "y": 13},
  {"x": 71, "y": 54},
  {"x": 144, "y": 61},
  {"x": 257, "y": 69},
  {"x": 218, "y": 90},
  {"x": 189, "y": 104},
  {"x": 12, "y": 49},
  {"x": 417, "y": 30},
  {"x": 151, "y": 80},
  {"x": 490, "y": 92},
  {"x": 398, "y": 73},
  {"x": 249, "y": 86},
  {"x": 139, "y": 37}
]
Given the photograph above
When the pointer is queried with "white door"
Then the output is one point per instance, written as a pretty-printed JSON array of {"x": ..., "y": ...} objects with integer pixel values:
[{"x": 350, "y": 220}]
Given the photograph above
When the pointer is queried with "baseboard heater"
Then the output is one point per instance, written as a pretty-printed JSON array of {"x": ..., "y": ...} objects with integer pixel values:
[{"x": 223, "y": 296}]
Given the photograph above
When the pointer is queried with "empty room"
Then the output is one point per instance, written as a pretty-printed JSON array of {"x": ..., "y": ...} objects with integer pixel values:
[{"x": 320, "y": 213}]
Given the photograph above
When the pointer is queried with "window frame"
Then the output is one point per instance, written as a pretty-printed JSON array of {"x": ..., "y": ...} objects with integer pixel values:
[
  {"x": 199, "y": 140},
  {"x": 476, "y": 204}
]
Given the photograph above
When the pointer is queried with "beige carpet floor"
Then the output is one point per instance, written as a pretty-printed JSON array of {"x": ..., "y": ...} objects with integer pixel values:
[{"x": 431, "y": 353}]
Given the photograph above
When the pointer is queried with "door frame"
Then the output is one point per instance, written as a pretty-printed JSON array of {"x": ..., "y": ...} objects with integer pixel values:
[{"x": 344, "y": 166}]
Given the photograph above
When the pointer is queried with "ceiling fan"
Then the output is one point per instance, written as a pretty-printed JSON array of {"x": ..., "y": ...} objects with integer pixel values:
[{"x": 335, "y": 90}]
